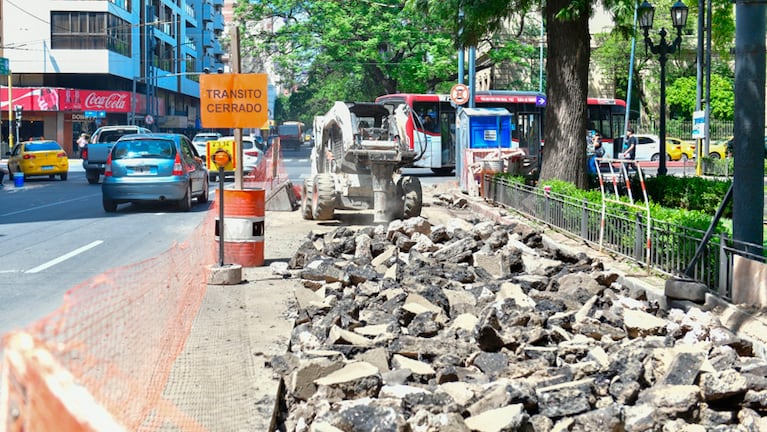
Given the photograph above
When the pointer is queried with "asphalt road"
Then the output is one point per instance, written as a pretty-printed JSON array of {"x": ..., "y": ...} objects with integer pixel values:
[{"x": 55, "y": 235}]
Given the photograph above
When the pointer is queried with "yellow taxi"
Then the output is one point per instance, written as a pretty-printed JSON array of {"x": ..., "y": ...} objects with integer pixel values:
[
  {"x": 38, "y": 158},
  {"x": 686, "y": 149},
  {"x": 718, "y": 149},
  {"x": 673, "y": 149}
]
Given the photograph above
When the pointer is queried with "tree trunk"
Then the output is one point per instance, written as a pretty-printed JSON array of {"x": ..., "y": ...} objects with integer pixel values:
[{"x": 567, "y": 89}]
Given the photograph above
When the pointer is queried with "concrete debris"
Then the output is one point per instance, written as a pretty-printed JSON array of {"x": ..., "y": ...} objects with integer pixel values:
[{"x": 492, "y": 327}]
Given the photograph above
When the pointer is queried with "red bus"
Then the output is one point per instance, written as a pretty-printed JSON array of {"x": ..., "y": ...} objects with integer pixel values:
[{"x": 431, "y": 128}]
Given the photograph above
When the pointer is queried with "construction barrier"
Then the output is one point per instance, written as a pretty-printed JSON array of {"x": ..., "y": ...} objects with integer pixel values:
[
  {"x": 243, "y": 226},
  {"x": 108, "y": 359},
  {"x": 102, "y": 360}
]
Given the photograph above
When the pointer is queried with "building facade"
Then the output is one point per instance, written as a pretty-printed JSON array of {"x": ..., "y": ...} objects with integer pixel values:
[{"x": 76, "y": 65}]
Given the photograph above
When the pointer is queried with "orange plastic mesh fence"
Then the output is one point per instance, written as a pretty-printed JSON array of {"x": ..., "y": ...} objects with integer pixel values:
[
  {"x": 270, "y": 171},
  {"x": 117, "y": 335},
  {"x": 104, "y": 357}
]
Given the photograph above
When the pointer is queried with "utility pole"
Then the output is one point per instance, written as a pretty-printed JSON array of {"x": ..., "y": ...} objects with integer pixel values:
[
  {"x": 748, "y": 181},
  {"x": 235, "y": 66}
]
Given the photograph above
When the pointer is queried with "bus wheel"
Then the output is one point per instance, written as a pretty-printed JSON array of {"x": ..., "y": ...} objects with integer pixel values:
[{"x": 409, "y": 189}]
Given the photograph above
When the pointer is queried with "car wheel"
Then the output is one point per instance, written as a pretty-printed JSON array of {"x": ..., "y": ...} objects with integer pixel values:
[
  {"x": 185, "y": 203},
  {"x": 204, "y": 196},
  {"x": 92, "y": 176},
  {"x": 714, "y": 155},
  {"x": 655, "y": 157},
  {"x": 109, "y": 205},
  {"x": 63, "y": 176},
  {"x": 51, "y": 177}
]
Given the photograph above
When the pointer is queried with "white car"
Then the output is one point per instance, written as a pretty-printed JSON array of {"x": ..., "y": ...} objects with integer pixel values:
[
  {"x": 253, "y": 151},
  {"x": 200, "y": 142}
]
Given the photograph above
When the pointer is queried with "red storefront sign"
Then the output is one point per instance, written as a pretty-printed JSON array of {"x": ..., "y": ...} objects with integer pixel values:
[{"x": 64, "y": 99}]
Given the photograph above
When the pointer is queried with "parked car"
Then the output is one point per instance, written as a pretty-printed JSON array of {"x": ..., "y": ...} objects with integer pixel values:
[
  {"x": 38, "y": 158},
  {"x": 154, "y": 167},
  {"x": 253, "y": 151},
  {"x": 718, "y": 149},
  {"x": 200, "y": 141},
  {"x": 648, "y": 146},
  {"x": 686, "y": 148}
]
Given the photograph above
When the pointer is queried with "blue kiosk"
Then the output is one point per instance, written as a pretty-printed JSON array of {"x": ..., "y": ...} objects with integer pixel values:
[{"x": 483, "y": 137}]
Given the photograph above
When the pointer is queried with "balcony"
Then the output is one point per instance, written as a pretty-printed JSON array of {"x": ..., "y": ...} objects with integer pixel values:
[
  {"x": 207, "y": 13},
  {"x": 207, "y": 39}
]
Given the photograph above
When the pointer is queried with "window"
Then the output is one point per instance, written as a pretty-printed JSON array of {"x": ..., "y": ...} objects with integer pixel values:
[{"x": 90, "y": 30}]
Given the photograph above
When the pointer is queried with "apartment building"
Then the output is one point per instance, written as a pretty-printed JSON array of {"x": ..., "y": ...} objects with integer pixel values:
[{"x": 75, "y": 65}]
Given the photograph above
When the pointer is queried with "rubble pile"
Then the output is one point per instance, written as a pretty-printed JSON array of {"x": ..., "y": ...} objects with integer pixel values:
[{"x": 478, "y": 326}]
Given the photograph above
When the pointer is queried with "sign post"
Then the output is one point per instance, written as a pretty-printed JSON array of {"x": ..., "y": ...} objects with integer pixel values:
[
  {"x": 222, "y": 160},
  {"x": 699, "y": 134},
  {"x": 6, "y": 70}
]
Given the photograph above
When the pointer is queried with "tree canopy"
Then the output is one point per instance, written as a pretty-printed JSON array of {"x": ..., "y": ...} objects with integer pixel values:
[
  {"x": 341, "y": 50},
  {"x": 357, "y": 50}
]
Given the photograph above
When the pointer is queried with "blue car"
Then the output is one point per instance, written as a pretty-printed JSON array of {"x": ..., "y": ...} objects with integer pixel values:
[{"x": 154, "y": 167}]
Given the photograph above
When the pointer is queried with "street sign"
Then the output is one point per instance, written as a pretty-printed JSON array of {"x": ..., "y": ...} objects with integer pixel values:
[
  {"x": 149, "y": 119},
  {"x": 95, "y": 114},
  {"x": 459, "y": 94},
  {"x": 233, "y": 100},
  {"x": 698, "y": 124},
  {"x": 540, "y": 101},
  {"x": 4, "y": 66}
]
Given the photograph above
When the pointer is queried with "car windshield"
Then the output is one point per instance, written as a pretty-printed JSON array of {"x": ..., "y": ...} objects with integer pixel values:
[
  {"x": 112, "y": 136},
  {"x": 204, "y": 138},
  {"x": 137, "y": 149},
  {"x": 42, "y": 146}
]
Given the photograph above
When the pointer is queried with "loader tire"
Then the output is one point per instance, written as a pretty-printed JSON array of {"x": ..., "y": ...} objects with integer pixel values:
[
  {"x": 412, "y": 196},
  {"x": 323, "y": 197},
  {"x": 306, "y": 199}
]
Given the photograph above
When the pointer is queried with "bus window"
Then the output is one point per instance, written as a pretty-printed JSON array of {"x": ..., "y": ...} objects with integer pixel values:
[{"x": 428, "y": 113}]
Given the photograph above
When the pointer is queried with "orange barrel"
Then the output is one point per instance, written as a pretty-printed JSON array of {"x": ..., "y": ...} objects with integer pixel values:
[{"x": 243, "y": 226}]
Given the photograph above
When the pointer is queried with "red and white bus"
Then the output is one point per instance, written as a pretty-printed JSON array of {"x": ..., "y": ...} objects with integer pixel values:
[
  {"x": 430, "y": 128},
  {"x": 435, "y": 137}
]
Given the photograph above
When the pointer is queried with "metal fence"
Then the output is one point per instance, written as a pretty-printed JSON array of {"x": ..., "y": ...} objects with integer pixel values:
[
  {"x": 718, "y": 129},
  {"x": 670, "y": 248}
]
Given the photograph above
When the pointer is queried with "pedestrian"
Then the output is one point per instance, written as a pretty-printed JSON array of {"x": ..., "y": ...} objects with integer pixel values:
[
  {"x": 630, "y": 148},
  {"x": 596, "y": 140},
  {"x": 81, "y": 143},
  {"x": 598, "y": 152}
]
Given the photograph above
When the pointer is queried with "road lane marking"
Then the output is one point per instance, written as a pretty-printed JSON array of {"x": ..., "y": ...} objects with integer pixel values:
[
  {"x": 64, "y": 257},
  {"x": 49, "y": 205}
]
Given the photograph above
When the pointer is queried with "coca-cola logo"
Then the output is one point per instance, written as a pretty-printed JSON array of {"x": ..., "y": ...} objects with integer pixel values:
[{"x": 109, "y": 102}]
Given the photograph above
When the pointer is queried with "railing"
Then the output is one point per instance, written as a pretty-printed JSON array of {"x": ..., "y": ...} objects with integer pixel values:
[{"x": 670, "y": 249}]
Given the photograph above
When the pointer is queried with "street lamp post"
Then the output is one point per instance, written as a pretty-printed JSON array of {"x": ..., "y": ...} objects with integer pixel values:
[{"x": 662, "y": 49}]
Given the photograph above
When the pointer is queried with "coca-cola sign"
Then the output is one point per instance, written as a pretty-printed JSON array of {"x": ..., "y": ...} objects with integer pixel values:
[
  {"x": 77, "y": 100},
  {"x": 106, "y": 101}
]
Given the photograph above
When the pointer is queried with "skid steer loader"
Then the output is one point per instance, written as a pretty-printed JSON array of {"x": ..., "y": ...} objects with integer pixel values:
[{"x": 359, "y": 148}]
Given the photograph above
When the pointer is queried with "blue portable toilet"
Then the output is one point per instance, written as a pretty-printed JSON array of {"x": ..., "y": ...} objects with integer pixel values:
[{"x": 481, "y": 129}]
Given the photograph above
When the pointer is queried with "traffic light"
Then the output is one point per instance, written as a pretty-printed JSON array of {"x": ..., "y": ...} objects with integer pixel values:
[{"x": 18, "y": 109}]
